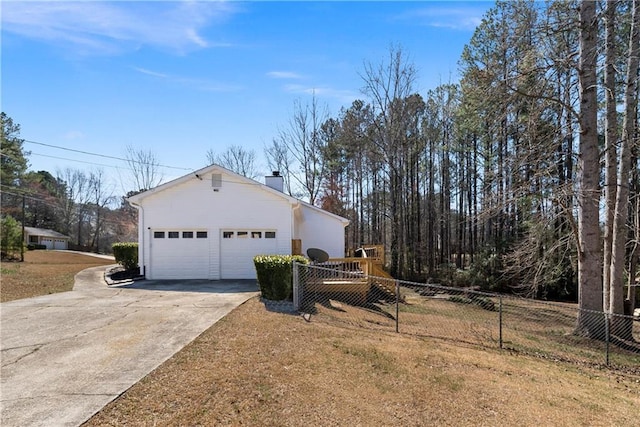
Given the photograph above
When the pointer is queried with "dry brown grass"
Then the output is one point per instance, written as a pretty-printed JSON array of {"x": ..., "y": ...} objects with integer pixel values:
[
  {"x": 257, "y": 367},
  {"x": 43, "y": 272}
]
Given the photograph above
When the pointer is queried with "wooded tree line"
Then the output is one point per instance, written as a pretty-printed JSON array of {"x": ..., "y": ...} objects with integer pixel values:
[
  {"x": 76, "y": 205},
  {"x": 522, "y": 176},
  {"x": 74, "y": 202}
]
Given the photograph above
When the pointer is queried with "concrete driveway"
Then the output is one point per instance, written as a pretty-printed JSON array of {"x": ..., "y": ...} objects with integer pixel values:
[{"x": 65, "y": 356}]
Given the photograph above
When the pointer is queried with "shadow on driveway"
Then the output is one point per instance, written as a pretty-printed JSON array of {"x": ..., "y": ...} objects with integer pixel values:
[{"x": 209, "y": 286}]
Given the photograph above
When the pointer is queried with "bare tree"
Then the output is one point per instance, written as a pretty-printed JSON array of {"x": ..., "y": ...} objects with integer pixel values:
[
  {"x": 74, "y": 202},
  {"x": 237, "y": 159},
  {"x": 145, "y": 168},
  {"x": 389, "y": 85},
  {"x": 102, "y": 196},
  {"x": 279, "y": 159},
  {"x": 305, "y": 143}
]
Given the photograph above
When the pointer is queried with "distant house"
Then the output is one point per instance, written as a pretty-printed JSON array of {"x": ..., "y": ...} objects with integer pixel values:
[
  {"x": 211, "y": 223},
  {"x": 49, "y": 238}
]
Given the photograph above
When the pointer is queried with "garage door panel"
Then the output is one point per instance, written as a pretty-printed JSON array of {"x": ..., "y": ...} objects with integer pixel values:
[
  {"x": 236, "y": 255},
  {"x": 180, "y": 258},
  {"x": 196, "y": 258}
]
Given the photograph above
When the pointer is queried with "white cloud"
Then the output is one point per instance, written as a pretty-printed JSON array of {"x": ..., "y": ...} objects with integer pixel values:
[
  {"x": 344, "y": 96},
  {"x": 284, "y": 75},
  {"x": 150, "y": 73},
  {"x": 455, "y": 17},
  {"x": 73, "y": 134},
  {"x": 90, "y": 27},
  {"x": 204, "y": 85},
  {"x": 195, "y": 38}
]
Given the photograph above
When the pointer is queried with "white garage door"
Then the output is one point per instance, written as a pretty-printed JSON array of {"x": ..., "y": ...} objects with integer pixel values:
[
  {"x": 237, "y": 249},
  {"x": 52, "y": 243},
  {"x": 48, "y": 242},
  {"x": 180, "y": 254}
]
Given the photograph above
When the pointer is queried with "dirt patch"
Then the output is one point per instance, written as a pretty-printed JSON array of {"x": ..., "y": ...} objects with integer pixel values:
[
  {"x": 43, "y": 273},
  {"x": 261, "y": 367}
]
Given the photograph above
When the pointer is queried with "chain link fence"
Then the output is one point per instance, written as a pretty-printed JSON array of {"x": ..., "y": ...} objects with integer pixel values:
[{"x": 341, "y": 293}]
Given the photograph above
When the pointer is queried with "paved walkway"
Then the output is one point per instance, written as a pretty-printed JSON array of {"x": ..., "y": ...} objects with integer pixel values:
[{"x": 65, "y": 356}]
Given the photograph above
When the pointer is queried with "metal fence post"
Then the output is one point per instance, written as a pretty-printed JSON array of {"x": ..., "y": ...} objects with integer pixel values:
[
  {"x": 296, "y": 293},
  {"x": 397, "y": 306},
  {"x": 607, "y": 335},
  {"x": 459, "y": 315},
  {"x": 500, "y": 320}
]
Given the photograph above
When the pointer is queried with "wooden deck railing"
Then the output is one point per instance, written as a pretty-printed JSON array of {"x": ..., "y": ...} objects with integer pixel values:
[
  {"x": 353, "y": 275},
  {"x": 348, "y": 265},
  {"x": 374, "y": 252},
  {"x": 342, "y": 276}
]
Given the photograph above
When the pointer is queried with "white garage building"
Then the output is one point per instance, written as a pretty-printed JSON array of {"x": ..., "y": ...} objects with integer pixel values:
[
  {"x": 211, "y": 223},
  {"x": 49, "y": 238}
]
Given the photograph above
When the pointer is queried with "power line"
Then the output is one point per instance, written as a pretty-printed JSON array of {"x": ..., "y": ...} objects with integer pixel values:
[
  {"x": 45, "y": 202},
  {"x": 110, "y": 157},
  {"x": 104, "y": 155},
  {"x": 79, "y": 161}
]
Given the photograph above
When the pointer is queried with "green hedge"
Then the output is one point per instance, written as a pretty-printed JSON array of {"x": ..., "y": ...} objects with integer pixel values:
[
  {"x": 275, "y": 275},
  {"x": 34, "y": 247},
  {"x": 126, "y": 254}
]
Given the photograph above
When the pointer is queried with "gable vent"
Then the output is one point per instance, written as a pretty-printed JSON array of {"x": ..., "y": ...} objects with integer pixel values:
[{"x": 216, "y": 180}]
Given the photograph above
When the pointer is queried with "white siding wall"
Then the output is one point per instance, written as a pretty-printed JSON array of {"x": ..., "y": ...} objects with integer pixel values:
[
  {"x": 193, "y": 205},
  {"x": 318, "y": 230}
]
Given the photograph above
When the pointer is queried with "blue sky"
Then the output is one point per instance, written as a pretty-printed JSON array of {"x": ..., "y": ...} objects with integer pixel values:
[{"x": 180, "y": 78}]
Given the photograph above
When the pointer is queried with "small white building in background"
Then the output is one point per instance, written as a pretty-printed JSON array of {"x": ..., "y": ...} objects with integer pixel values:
[
  {"x": 211, "y": 223},
  {"x": 49, "y": 238}
]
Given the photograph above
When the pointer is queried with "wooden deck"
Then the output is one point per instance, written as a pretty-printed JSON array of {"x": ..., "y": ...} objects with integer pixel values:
[
  {"x": 351, "y": 277},
  {"x": 353, "y": 290},
  {"x": 348, "y": 276}
]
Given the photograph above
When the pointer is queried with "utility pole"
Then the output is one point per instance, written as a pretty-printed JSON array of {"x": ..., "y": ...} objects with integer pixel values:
[{"x": 23, "y": 221}]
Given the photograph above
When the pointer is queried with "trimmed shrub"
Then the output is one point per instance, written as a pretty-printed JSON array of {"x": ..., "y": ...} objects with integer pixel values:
[
  {"x": 35, "y": 247},
  {"x": 126, "y": 254},
  {"x": 275, "y": 275}
]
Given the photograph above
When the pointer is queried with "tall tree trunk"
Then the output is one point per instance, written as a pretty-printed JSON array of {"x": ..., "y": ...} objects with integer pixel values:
[
  {"x": 620, "y": 231},
  {"x": 611, "y": 139},
  {"x": 634, "y": 256},
  {"x": 589, "y": 322},
  {"x": 431, "y": 229}
]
